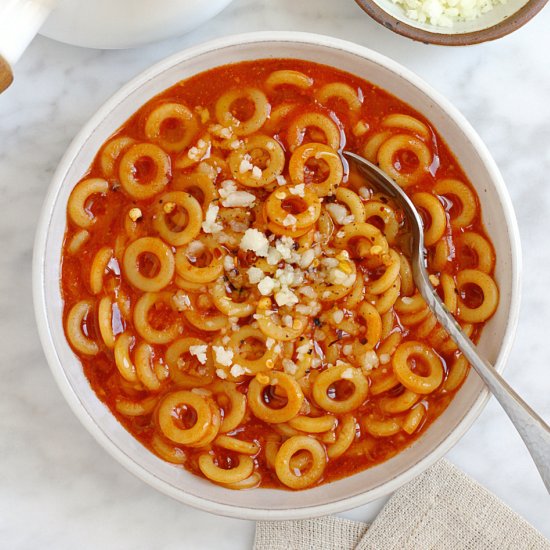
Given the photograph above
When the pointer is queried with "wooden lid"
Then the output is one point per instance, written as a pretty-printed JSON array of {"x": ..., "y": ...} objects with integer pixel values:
[{"x": 6, "y": 74}]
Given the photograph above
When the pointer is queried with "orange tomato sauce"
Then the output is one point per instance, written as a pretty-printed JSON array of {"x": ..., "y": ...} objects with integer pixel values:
[{"x": 110, "y": 212}]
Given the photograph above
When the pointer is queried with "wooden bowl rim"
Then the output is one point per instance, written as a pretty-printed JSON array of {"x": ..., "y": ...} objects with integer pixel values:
[{"x": 498, "y": 30}]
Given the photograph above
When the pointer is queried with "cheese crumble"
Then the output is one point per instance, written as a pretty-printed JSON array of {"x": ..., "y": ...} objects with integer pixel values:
[
  {"x": 209, "y": 225},
  {"x": 255, "y": 241},
  {"x": 199, "y": 352},
  {"x": 223, "y": 356},
  {"x": 445, "y": 13}
]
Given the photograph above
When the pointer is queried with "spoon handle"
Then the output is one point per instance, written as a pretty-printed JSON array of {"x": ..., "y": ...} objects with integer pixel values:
[{"x": 531, "y": 427}]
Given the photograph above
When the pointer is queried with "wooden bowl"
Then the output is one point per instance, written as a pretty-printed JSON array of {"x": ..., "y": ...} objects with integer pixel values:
[{"x": 500, "y": 21}]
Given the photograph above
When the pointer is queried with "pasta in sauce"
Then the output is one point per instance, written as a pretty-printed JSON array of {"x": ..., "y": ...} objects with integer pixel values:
[{"x": 243, "y": 302}]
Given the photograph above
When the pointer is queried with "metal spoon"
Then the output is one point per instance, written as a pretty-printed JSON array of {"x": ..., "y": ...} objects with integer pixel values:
[{"x": 531, "y": 427}]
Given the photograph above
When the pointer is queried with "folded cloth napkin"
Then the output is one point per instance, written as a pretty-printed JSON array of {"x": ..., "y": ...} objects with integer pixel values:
[{"x": 441, "y": 509}]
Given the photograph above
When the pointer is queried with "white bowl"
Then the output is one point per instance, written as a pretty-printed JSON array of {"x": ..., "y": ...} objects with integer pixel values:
[
  {"x": 126, "y": 23},
  {"x": 363, "y": 487}
]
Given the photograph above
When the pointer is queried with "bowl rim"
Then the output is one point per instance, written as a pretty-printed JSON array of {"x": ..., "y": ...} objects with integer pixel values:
[
  {"x": 41, "y": 311},
  {"x": 512, "y": 23}
]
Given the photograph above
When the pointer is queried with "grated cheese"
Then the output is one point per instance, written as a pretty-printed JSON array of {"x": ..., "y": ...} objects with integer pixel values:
[
  {"x": 134, "y": 214},
  {"x": 220, "y": 373},
  {"x": 289, "y": 220},
  {"x": 285, "y": 297},
  {"x": 199, "y": 352},
  {"x": 209, "y": 225},
  {"x": 255, "y": 275},
  {"x": 255, "y": 241},
  {"x": 266, "y": 286},
  {"x": 223, "y": 356},
  {"x": 239, "y": 199},
  {"x": 347, "y": 374},
  {"x": 298, "y": 190},
  {"x": 445, "y": 13},
  {"x": 256, "y": 172},
  {"x": 237, "y": 370}
]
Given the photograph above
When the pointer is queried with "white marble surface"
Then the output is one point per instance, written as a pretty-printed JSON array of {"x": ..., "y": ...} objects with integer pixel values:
[{"x": 58, "y": 488}]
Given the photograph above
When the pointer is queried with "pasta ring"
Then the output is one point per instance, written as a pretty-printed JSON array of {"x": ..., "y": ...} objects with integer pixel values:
[
  {"x": 490, "y": 296},
  {"x": 468, "y": 202},
  {"x": 244, "y": 469},
  {"x": 388, "y": 278},
  {"x": 143, "y": 358},
  {"x": 374, "y": 324},
  {"x": 386, "y": 300},
  {"x": 164, "y": 255},
  {"x": 171, "y": 111},
  {"x": 346, "y": 432},
  {"x": 342, "y": 91},
  {"x": 194, "y": 273},
  {"x": 243, "y": 127},
  {"x": 196, "y": 182},
  {"x": 353, "y": 202},
  {"x": 414, "y": 418},
  {"x": 123, "y": 360},
  {"x": 131, "y": 408},
  {"x": 305, "y": 218},
  {"x": 274, "y": 167},
  {"x": 288, "y": 384},
  {"x": 192, "y": 226},
  {"x": 366, "y": 231},
  {"x": 78, "y": 240},
  {"x": 415, "y": 382},
  {"x": 226, "y": 305},
  {"x": 298, "y": 126},
  {"x": 313, "y": 424},
  {"x": 206, "y": 322},
  {"x": 457, "y": 373},
  {"x": 99, "y": 264},
  {"x": 406, "y": 122},
  {"x": 127, "y": 171},
  {"x": 382, "y": 428},
  {"x": 401, "y": 403},
  {"x": 372, "y": 146},
  {"x": 141, "y": 318},
  {"x": 382, "y": 381},
  {"x": 252, "y": 366},
  {"x": 386, "y": 214},
  {"x": 317, "y": 151},
  {"x": 233, "y": 416},
  {"x": 111, "y": 152},
  {"x": 76, "y": 206},
  {"x": 105, "y": 321},
  {"x": 237, "y": 445},
  {"x": 288, "y": 77},
  {"x": 285, "y": 453},
  {"x": 168, "y": 412},
  {"x": 77, "y": 315},
  {"x": 485, "y": 257},
  {"x": 182, "y": 379},
  {"x": 334, "y": 374},
  {"x": 448, "y": 286},
  {"x": 438, "y": 219},
  {"x": 401, "y": 142},
  {"x": 167, "y": 451}
]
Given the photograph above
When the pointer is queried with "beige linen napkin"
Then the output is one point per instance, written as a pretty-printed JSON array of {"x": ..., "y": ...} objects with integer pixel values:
[{"x": 441, "y": 509}]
